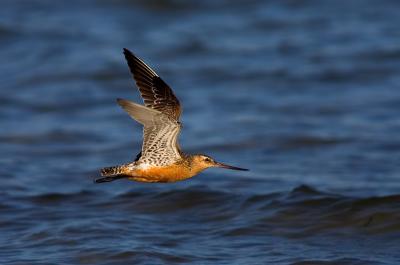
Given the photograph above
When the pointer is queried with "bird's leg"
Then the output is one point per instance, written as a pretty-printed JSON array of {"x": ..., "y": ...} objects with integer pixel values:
[{"x": 110, "y": 178}]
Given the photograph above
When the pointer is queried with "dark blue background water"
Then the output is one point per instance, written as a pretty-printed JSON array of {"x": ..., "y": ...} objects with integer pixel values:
[{"x": 304, "y": 93}]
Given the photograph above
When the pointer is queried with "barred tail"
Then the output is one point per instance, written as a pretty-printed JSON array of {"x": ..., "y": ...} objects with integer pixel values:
[{"x": 112, "y": 171}]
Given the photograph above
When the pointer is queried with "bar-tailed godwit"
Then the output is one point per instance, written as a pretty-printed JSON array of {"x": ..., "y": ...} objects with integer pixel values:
[{"x": 161, "y": 159}]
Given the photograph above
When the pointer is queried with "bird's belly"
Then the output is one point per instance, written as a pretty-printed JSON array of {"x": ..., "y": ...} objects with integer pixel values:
[{"x": 169, "y": 173}]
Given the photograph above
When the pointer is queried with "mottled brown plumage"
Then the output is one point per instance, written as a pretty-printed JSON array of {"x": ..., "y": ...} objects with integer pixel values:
[{"x": 161, "y": 159}]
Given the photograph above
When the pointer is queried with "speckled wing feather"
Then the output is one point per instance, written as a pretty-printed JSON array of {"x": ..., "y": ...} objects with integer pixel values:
[
  {"x": 155, "y": 92},
  {"x": 160, "y": 134},
  {"x": 160, "y": 142}
]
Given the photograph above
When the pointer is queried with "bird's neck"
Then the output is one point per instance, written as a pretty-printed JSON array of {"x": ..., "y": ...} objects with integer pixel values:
[{"x": 194, "y": 168}]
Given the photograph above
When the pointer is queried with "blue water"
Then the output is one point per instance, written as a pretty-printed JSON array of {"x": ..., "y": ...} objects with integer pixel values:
[{"x": 304, "y": 93}]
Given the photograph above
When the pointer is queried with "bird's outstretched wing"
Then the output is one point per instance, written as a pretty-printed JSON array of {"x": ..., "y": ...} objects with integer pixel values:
[
  {"x": 160, "y": 134},
  {"x": 160, "y": 115},
  {"x": 155, "y": 92}
]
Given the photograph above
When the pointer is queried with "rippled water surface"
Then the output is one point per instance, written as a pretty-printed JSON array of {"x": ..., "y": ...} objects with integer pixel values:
[{"x": 304, "y": 93}]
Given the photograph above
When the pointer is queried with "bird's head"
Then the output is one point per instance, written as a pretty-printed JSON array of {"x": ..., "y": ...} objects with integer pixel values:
[{"x": 202, "y": 162}]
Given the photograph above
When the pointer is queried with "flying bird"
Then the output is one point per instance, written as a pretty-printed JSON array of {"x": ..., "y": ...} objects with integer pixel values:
[{"x": 161, "y": 158}]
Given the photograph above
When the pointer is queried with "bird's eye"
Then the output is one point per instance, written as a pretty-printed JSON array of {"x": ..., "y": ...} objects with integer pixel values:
[{"x": 207, "y": 159}]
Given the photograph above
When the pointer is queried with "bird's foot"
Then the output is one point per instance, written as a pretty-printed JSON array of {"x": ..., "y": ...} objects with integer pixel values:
[{"x": 109, "y": 179}]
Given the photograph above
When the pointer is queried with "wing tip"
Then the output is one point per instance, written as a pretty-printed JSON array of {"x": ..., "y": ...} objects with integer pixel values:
[
  {"x": 128, "y": 54},
  {"x": 125, "y": 50},
  {"x": 122, "y": 102}
]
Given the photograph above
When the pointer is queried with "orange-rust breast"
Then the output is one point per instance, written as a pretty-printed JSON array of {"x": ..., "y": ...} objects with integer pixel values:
[{"x": 169, "y": 173}]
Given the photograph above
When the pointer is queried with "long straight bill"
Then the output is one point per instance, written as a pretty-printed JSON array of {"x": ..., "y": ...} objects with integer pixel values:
[{"x": 229, "y": 167}]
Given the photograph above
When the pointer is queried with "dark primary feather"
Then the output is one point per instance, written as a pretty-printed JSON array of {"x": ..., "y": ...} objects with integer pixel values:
[{"x": 155, "y": 92}]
